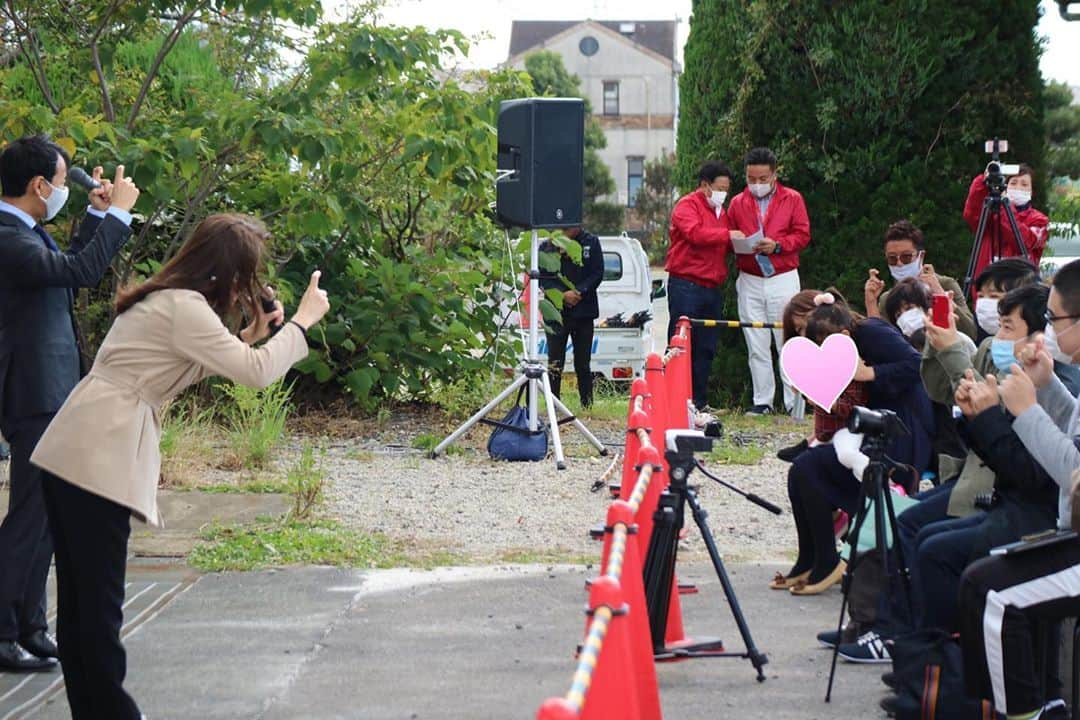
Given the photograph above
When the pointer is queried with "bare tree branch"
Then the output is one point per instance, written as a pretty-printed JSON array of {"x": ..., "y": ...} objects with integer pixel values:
[
  {"x": 25, "y": 36},
  {"x": 95, "y": 55}
]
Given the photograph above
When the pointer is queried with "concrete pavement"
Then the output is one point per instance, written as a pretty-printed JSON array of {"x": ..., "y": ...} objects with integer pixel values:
[{"x": 473, "y": 643}]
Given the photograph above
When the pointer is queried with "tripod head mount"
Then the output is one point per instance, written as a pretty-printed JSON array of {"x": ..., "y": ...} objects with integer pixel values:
[{"x": 680, "y": 446}]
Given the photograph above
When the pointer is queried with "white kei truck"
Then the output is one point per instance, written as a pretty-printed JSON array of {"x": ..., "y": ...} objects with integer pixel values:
[{"x": 618, "y": 353}]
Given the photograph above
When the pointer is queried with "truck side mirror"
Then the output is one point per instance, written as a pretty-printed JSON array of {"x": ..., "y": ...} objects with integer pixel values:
[{"x": 659, "y": 290}]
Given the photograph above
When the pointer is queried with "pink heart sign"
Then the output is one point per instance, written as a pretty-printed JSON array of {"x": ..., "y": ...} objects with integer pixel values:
[{"x": 820, "y": 373}]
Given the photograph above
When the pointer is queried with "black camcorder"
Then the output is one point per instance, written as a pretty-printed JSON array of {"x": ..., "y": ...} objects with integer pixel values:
[
  {"x": 877, "y": 423},
  {"x": 998, "y": 173}
]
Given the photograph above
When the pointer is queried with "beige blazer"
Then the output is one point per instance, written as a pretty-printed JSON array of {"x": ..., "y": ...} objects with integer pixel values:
[{"x": 105, "y": 437}]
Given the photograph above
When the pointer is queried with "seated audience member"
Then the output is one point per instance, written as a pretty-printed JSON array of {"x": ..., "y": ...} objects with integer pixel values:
[
  {"x": 818, "y": 482},
  {"x": 1031, "y": 222},
  {"x": 906, "y": 307},
  {"x": 1002, "y": 597},
  {"x": 991, "y": 284},
  {"x": 905, "y": 252},
  {"x": 945, "y": 531}
]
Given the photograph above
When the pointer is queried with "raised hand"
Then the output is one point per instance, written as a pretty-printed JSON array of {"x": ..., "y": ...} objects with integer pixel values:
[
  {"x": 313, "y": 305},
  {"x": 100, "y": 198},
  {"x": 1018, "y": 391},
  {"x": 123, "y": 193}
]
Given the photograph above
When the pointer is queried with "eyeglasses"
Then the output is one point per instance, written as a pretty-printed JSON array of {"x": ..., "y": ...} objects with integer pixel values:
[
  {"x": 1050, "y": 317},
  {"x": 902, "y": 259}
]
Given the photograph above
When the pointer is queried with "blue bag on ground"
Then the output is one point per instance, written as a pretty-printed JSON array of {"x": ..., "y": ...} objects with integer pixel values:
[{"x": 512, "y": 440}]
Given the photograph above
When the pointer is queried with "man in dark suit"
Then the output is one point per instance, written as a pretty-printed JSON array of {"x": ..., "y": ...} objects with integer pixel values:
[
  {"x": 578, "y": 284},
  {"x": 40, "y": 362}
]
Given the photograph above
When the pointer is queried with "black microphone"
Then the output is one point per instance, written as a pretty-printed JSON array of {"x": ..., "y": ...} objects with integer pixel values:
[
  {"x": 268, "y": 306},
  {"x": 78, "y": 176}
]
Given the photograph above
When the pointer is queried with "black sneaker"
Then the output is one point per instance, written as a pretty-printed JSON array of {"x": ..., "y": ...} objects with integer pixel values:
[
  {"x": 1055, "y": 710},
  {"x": 789, "y": 454},
  {"x": 760, "y": 410},
  {"x": 869, "y": 649},
  {"x": 828, "y": 638},
  {"x": 891, "y": 680}
]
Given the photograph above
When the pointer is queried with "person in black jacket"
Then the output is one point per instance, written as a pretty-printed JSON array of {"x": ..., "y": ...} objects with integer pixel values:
[
  {"x": 40, "y": 362},
  {"x": 578, "y": 285}
]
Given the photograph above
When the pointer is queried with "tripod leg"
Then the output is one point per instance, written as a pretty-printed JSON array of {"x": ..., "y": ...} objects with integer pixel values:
[
  {"x": 1016, "y": 233},
  {"x": 479, "y": 415},
  {"x": 901, "y": 561},
  {"x": 757, "y": 658},
  {"x": 976, "y": 250},
  {"x": 849, "y": 574},
  {"x": 556, "y": 439},
  {"x": 659, "y": 567},
  {"x": 581, "y": 427}
]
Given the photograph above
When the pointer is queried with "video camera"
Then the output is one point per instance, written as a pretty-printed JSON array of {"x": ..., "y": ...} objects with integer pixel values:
[
  {"x": 884, "y": 424},
  {"x": 997, "y": 173}
]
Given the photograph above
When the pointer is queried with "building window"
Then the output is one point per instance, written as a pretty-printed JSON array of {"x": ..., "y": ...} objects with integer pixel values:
[
  {"x": 635, "y": 175},
  {"x": 611, "y": 98}
]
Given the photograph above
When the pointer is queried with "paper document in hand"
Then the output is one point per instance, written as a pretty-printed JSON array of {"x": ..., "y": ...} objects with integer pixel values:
[{"x": 746, "y": 245}]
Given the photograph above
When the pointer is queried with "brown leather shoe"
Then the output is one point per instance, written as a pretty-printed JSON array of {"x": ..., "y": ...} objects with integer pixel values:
[{"x": 817, "y": 588}]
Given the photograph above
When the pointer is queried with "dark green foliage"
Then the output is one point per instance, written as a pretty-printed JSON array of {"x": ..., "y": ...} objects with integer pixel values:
[
  {"x": 1062, "y": 132},
  {"x": 877, "y": 111},
  {"x": 654, "y": 203}
]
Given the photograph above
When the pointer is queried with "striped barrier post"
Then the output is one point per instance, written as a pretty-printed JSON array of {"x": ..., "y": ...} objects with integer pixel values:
[{"x": 737, "y": 324}]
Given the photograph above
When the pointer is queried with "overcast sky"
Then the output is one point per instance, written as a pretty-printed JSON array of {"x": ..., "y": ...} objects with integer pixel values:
[{"x": 492, "y": 18}]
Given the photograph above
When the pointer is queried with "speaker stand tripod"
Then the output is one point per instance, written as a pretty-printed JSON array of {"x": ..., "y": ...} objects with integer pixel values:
[{"x": 535, "y": 373}]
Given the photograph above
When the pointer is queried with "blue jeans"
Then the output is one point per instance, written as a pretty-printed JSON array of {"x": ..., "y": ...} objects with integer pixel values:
[{"x": 696, "y": 301}]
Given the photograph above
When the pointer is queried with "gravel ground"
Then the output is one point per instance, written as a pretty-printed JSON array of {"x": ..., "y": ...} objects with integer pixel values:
[{"x": 486, "y": 510}]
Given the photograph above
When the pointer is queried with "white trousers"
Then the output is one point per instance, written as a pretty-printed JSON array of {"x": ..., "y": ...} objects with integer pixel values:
[{"x": 763, "y": 300}]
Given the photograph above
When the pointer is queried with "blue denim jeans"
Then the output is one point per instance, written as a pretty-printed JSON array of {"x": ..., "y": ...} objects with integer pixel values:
[{"x": 696, "y": 301}]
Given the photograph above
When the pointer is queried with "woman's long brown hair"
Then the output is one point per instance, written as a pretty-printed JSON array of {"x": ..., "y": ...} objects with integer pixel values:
[{"x": 221, "y": 260}]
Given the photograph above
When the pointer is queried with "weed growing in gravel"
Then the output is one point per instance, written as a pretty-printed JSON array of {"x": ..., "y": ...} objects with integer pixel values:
[
  {"x": 305, "y": 481},
  {"x": 725, "y": 452},
  {"x": 187, "y": 435},
  {"x": 254, "y": 485},
  {"x": 256, "y": 421},
  {"x": 428, "y": 441}
]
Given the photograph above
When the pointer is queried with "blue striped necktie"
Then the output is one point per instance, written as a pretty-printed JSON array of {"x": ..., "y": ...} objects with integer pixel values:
[{"x": 49, "y": 242}]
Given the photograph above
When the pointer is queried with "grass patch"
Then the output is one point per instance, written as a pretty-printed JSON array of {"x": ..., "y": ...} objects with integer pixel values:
[
  {"x": 738, "y": 421},
  {"x": 523, "y": 556},
  {"x": 429, "y": 441},
  {"x": 274, "y": 544},
  {"x": 256, "y": 421},
  {"x": 187, "y": 442},
  {"x": 277, "y": 543},
  {"x": 256, "y": 486},
  {"x": 727, "y": 453},
  {"x": 361, "y": 455}
]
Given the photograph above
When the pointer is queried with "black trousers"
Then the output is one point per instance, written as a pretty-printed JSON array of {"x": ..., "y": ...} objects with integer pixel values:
[
  {"x": 91, "y": 535},
  {"x": 25, "y": 543},
  {"x": 1002, "y": 600},
  {"x": 696, "y": 301},
  {"x": 581, "y": 331}
]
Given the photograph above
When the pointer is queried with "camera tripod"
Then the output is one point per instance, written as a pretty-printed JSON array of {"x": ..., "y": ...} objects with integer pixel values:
[
  {"x": 990, "y": 223},
  {"x": 534, "y": 375},
  {"x": 659, "y": 567},
  {"x": 874, "y": 488}
]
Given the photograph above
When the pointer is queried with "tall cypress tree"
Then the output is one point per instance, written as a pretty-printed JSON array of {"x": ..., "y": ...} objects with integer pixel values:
[{"x": 877, "y": 111}]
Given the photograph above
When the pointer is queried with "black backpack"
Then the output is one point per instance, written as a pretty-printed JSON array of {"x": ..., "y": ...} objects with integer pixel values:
[{"x": 929, "y": 668}]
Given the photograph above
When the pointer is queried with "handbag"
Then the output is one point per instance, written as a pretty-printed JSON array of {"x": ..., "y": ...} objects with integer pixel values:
[
  {"x": 929, "y": 669},
  {"x": 512, "y": 440}
]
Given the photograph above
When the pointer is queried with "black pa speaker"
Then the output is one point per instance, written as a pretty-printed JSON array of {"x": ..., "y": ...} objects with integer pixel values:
[{"x": 541, "y": 161}]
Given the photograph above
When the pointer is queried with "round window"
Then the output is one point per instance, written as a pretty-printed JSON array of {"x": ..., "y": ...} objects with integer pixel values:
[{"x": 588, "y": 46}]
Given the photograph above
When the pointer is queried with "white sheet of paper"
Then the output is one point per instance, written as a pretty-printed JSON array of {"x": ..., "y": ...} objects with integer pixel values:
[{"x": 746, "y": 245}]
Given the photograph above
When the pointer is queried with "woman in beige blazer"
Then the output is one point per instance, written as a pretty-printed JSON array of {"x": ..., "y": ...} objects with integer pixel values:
[{"x": 101, "y": 453}]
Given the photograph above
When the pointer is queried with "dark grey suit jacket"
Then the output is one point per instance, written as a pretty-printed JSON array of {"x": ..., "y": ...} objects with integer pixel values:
[{"x": 39, "y": 355}]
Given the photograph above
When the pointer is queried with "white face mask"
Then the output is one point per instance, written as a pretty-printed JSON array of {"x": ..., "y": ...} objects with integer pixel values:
[
  {"x": 1018, "y": 197},
  {"x": 717, "y": 198},
  {"x": 760, "y": 190},
  {"x": 911, "y": 321},
  {"x": 1052, "y": 347},
  {"x": 55, "y": 202},
  {"x": 903, "y": 272},
  {"x": 986, "y": 314}
]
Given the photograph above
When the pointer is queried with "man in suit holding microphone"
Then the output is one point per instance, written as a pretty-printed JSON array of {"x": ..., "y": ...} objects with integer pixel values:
[{"x": 40, "y": 361}]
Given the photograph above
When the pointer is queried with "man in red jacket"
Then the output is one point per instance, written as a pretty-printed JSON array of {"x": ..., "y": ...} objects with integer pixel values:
[
  {"x": 768, "y": 273},
  {"x": 697, "y": 266},
  {"x": 1031, "y": 222}
]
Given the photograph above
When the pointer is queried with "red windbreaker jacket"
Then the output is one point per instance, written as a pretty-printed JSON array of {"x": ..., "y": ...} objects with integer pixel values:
[
  {"x": 786, "y": 222},
  {"x": 699, "y": 242}
]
